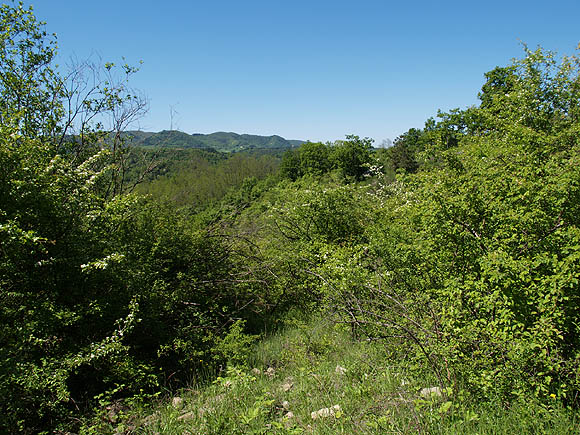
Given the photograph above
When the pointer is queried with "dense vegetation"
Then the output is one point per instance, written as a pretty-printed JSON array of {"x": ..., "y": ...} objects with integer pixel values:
[
  {"x": 457, "y": 250},
  {"x": 219, "y": 141},
  {"x": 196, "y": 179}
]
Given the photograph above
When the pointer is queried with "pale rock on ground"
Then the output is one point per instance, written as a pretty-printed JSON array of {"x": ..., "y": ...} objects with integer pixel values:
[
  {"x": 432, "y": 391},
  {"x": 187, "y": 416},
  {"x": 325, "y": 412}
]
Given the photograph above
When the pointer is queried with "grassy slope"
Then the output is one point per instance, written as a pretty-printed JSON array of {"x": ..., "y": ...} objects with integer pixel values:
[{"x": 315, "y": 365}]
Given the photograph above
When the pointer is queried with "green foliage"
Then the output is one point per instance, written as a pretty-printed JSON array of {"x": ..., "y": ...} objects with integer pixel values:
[
  {"x": 311, "y": 158},
  {"x": 303, "y": 370},
  {"x": 220, "y": 141},
  {"x": 475, "y": 262},
  {"x": 352, "y": 156},
  {"x": 290, "y": 166},
  {"x": 105, "y": 296},
  {"x": 500, "y": 82},
  {"x": 197, "y": 181},
  {"x": 28, "y": 82},
  {"x": 404, "y": 153},
  {"x": 235, "y": 346},
  {"x": 314, "y": 158},
  {"x": 466, "y": 265},
  {"x": 321, "y": 213}
]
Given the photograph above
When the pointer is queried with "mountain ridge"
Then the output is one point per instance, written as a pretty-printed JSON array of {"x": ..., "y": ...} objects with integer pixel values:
[{"x": 219, "y": 141}]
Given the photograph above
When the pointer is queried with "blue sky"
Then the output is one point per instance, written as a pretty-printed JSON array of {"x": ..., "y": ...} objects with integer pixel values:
[{"x": 315, "y": 70}]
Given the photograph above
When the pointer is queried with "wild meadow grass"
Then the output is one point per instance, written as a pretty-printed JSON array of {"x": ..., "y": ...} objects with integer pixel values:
[{"x": 313, "y": 378}]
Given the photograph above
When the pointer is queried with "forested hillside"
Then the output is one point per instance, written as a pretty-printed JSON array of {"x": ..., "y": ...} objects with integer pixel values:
[
  {"x": 450, "y": 261},
  {"x": 220, "y": 141}
]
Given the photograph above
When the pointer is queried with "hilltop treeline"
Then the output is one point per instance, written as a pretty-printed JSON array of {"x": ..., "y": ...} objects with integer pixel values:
[
  {"x": 219, "y": 141},
  {"x": 459, "y": 247}
]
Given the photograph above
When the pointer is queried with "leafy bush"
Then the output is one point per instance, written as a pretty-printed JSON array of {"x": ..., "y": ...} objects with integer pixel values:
[
  {"x": 105, "y": 295},
  {"x": 475, "y": 262},
  {"x": 100, "y": 297},
  {"x": 351, "y": 157}
]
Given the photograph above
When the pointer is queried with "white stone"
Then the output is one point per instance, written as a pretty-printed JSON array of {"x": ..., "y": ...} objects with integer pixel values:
[
  {"x": 187, "y": 416},
  {"x": 432, "y": 391},
  {"x": 287, "y": 386},
  {"x": 324, "y": 412}
]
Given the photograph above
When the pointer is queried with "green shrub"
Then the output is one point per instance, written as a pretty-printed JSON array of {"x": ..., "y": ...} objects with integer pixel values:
[{"x": 475, "y": 262}]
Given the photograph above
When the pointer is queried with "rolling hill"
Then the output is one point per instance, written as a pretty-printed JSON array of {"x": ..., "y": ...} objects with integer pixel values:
[{"x": 219, "y": 141}]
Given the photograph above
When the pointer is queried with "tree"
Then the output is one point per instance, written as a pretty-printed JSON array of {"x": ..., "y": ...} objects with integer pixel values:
[
  {"x": 404, "y": 152},
  {"x": 290, "y": 165},
  {"x": 477, "y": 256},
  {"x": 104, "y": 294},
  {"x": 311, "y": 158},
  {"x": 314, "y": 158},
  {"x": 500, "y": 81},
  {"x": 30, "y": 90},
  {"x": 352, "y": 156}
]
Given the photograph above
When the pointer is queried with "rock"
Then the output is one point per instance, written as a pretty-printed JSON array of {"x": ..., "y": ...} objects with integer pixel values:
[
  {"x": 256, "y": 371},
  {"x": 177, "y": 402},
  {"x": 270, "y": 371},
  {"x": 287, "y": 419},
  {"x": 286, "y": 386},
  {"x": 150, "y": 419},
  {"x": 431, "y": 391},
  {"x": 340, "y": 370},
  {"x": 286, "y": 405},
  {"x": 113, "y": 411},
  {"x": 187, "y": 416},
  {"x": 112, "y": 416},
  {"x": 324, "y": 412}
]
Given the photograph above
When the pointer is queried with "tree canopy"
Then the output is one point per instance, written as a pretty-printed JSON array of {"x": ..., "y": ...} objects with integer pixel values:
[{"x": 462, "y": 254}]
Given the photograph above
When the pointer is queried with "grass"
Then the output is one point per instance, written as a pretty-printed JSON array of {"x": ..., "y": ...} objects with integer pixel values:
[{"x": 351, "y": 387}]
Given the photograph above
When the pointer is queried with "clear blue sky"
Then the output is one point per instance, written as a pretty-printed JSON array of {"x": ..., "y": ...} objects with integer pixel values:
[{"x": 314, "y": 70}]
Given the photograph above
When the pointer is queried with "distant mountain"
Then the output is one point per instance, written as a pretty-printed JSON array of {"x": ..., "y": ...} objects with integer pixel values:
[{"x": 220, "y": 141}]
